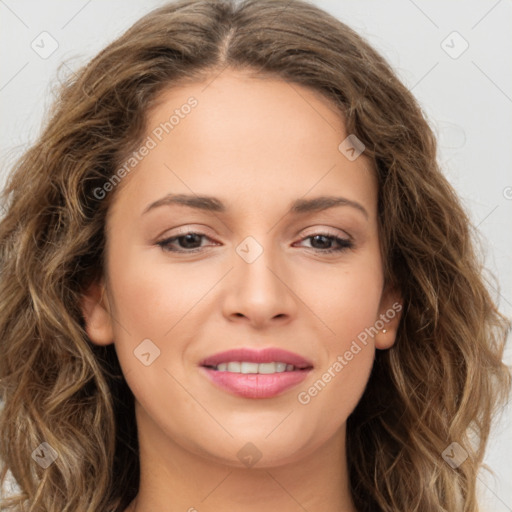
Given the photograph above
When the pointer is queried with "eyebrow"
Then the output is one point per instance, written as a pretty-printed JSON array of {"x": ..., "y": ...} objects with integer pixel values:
[{"x": 214, "y": 204}]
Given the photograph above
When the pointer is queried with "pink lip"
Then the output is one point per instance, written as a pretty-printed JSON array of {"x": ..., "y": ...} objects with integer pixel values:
[
  {"x": 255, "y": 385},
  {"x": 266, "y": 355}
]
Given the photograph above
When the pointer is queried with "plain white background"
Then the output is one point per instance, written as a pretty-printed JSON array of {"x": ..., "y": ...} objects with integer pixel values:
[{"x": 454, "y": 56}]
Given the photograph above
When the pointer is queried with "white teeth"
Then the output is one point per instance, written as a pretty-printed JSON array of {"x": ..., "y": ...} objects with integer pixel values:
[
  {"x": 267, "y": 368},
  {"x": 281, "y": 367},
  {"x": 248, "y": 367},
  {"x": 234, "y": 367}
]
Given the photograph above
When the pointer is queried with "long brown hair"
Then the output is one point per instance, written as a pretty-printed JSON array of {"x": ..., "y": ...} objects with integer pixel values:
[{"x": 442, "y": 381}]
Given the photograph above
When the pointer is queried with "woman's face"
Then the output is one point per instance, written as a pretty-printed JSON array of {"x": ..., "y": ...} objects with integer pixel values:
[{"x": 266, "y": 265}]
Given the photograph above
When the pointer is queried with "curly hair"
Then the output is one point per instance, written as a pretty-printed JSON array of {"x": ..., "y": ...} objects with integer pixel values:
[{"x": 442, "y": 381}]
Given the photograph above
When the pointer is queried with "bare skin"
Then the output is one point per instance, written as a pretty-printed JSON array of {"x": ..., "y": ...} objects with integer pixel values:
[{"x": 257, "y": 145}]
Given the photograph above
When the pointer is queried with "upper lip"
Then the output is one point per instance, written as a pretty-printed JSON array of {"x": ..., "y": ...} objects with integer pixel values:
[{"x": 266, "y": 355}]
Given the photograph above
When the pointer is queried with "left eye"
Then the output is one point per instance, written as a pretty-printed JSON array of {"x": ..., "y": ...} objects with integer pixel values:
[
  {"x": 188, "y": 242},
  {"x": 343, "y": 243}
]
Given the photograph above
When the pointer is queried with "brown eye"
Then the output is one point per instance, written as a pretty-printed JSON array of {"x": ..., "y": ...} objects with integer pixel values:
[
  {"x": 322, "y": 242},
  {"x": 188, "y": 242}
]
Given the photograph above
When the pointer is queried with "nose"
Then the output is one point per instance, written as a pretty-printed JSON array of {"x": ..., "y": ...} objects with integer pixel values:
[{"x": 260, "y": 292}]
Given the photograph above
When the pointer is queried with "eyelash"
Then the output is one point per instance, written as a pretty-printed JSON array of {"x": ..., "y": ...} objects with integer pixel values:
[{"x": 343, "y": 243}]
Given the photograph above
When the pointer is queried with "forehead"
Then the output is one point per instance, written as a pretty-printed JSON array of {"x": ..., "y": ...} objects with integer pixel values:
[{"x": 257, "y": 140}]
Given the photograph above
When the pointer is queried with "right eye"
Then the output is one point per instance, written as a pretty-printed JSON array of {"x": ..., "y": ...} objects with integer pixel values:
[{"x": 188, "y": 242}]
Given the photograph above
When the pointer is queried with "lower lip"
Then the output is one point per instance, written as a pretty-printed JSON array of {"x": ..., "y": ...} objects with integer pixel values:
[{"x": 256, "y": 385}]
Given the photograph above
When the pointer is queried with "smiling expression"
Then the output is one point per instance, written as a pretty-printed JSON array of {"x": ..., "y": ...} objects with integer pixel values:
[{"x": 245, "y": 227}]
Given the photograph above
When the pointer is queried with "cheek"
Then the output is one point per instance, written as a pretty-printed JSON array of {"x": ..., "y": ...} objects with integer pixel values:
[
  {"x": 335, "y": 391},
  {"x": 345, "y": 298},
  {"x": 152, "y": 295},
  {"x": 163, "y": 303},
  {"x": 348, "y": 352},
  {"x": 348, "y": 303},
  {"x": 156, "y": 302}
]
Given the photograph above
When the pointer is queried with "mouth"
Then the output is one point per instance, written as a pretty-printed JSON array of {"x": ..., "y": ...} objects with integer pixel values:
[
  {"x": 262, "y": 368},
  {"x": 250, "y": 357},
  {"x": 253, "y": 373}
]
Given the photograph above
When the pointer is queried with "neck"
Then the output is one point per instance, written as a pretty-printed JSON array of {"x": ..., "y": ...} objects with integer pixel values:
[{"x": 174, "y": 479}]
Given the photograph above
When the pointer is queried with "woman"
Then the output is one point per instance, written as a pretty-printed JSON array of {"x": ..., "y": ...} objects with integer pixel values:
[{"x": 234, "y": 278}]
